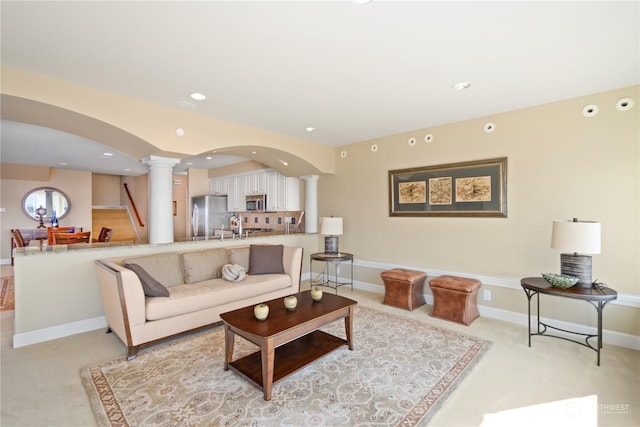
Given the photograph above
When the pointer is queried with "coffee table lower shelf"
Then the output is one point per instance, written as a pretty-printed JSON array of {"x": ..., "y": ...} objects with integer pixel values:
[{"x": 289, "y": 357}]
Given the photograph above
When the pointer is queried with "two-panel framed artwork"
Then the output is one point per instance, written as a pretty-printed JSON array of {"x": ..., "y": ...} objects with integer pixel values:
[{"x": 476, "y": 188}]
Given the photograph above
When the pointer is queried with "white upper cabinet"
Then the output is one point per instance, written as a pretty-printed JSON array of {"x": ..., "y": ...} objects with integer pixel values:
[
  {"x": 292, "y": 202},
  {"x": 257, "y": 183},
  {"x": 236, "y": 194},
  {"x": 283, "y": 193},
  {"x": 218, "y": 185}
]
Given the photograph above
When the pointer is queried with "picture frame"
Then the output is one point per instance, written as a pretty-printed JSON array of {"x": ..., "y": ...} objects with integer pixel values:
[{"x": 467, "y": 189}]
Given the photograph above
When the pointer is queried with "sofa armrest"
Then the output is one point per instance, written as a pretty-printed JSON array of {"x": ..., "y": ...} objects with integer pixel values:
[
  {"x": 122, "y": 298},
  {"x": 292, "y": 262}
]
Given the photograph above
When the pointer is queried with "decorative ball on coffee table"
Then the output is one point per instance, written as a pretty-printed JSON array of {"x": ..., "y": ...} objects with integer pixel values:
[
  {"x": 290, "y": 302},
  {"x": 261, "y": 311},
  {"x": 316, "y": 293}
]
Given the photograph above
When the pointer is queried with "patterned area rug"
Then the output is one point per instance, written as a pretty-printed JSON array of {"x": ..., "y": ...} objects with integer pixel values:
[
  {"x": 7, "y": 295},
  {"x": 398, "y": 374}
]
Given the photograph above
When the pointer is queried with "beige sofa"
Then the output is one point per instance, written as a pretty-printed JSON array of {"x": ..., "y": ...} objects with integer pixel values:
[{"x": 197, "y": 292}]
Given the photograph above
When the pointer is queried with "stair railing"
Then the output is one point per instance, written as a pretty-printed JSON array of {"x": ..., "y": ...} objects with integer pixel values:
[{"x": 133, "y": 205}]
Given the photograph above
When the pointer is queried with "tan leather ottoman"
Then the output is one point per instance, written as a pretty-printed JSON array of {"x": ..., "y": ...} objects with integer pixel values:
[
  {"x": 454, "y": 298},
  {"x": 403, "y": 288}
]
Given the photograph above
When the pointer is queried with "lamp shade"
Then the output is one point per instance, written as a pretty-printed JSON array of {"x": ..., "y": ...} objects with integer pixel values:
[
  {"x": 331, "y": 226},
  {"x": 576, "y": 236}
]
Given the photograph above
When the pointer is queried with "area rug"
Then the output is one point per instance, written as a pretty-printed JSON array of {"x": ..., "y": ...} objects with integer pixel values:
[
  {"x": 398, "y": 374},
  {"x": 7, "y": 294}
]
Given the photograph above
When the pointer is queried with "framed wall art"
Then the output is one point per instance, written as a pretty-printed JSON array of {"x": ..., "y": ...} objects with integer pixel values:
[{"x": 476, "y": 188}]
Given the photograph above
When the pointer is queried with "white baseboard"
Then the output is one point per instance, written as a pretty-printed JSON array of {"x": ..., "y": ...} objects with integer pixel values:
[
  {"x": 59, "y": 331},
  {"x": 609, "y": 337}
]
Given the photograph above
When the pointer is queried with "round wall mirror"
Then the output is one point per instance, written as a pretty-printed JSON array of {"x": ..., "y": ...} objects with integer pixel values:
[{"x": 48, "y": 199}]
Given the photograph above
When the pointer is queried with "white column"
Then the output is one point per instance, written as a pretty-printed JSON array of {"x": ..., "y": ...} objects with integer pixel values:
[
  {"x": 310, "y": 203},
  {"x": 160, "y": 198}
]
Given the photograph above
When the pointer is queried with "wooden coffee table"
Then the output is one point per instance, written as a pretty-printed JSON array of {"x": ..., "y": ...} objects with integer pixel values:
[{"x": 288, "y": 340}]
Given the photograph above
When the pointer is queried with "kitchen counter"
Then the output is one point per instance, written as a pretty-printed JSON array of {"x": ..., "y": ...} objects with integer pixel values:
[{"x": 45, "y": 249}]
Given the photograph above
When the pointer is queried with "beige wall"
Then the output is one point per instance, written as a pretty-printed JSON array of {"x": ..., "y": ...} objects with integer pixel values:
[
  {"x": 76, "y": 184},
  {"x": 105, "y": 190},
  {"x": 560, "y": 165}
]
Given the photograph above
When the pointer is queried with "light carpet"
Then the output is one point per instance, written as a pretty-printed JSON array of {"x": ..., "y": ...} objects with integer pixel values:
[{"x": 398, "y": 374}]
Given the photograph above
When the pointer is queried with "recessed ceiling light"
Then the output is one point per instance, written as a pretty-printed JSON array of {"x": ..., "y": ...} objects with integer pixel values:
[
  {"x": 253, "y": 152},
  {"x": 462, "y": 85},
  {"x": 127, "y": 169},
  {"x": 180, "y": 132},
  {"x": 310, "y": 129},
  {"x": 63, "y": 163},
  {"x": 362, "y": 1},
  {"x": 208, "y": 157},
  {"x": 108, "y": 154},
  {"x": 283, "y": 162},
  {"x": 189, "y": 163},
  {"x": 196, "y": 96}
]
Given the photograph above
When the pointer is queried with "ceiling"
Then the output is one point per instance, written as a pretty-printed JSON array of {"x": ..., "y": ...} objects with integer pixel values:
[{"x": 351, "y": 71}]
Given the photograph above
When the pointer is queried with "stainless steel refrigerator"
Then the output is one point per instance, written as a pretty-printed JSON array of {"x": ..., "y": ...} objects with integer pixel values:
[{"x": 208, "y": 213}]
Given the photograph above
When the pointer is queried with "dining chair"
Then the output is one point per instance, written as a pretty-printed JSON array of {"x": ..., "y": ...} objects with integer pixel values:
[
  {"x": 71, "y": 238},
  {"x": 105, "y": 234},
  {"x": 17, "y": 238},
  {"x": 17, "y": 241},
  {"x": 54, "y": 230}
]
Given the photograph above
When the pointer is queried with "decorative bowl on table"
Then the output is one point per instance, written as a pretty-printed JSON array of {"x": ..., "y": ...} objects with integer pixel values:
[{"x": 561, "y": 281}]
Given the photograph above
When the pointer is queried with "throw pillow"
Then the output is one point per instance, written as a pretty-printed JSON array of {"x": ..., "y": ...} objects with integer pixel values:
[
  {"x": 266, "y": 259},
  {"x": 233, "y": 273},
  {"x": 239, "y": 256},
  {"x": 152, "y": 288}
]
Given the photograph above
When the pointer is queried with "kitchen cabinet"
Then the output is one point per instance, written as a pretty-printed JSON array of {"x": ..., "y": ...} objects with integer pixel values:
[
  {"x": 292, "y": 202},
  {"x": 256, "y": 183},
  {"x": 218, "y": 185},
  {"x": 236, "y": 193},
  {"x": 283, "y": 193}
]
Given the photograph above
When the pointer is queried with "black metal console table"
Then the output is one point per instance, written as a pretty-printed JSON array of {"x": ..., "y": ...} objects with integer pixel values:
[
  {"x": 324, "y": 278},
  {"x": 598, "y": 298}
]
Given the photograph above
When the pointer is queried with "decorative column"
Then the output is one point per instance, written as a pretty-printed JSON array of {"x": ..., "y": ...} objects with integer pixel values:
[
  {"x": 160, "y": 198},
  {"x": 311, "y": 203}
]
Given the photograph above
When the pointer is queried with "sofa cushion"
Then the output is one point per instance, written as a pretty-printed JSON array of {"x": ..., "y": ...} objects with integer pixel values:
[
  {"x": 165, "y": 267},
  {"x": 211, "y": 293},
  {"x": 265, "y": 259},
  {"x": 239, "y": 256},
  {"x": 204, "y": 265},
  {"x": 151, "y": 287}
]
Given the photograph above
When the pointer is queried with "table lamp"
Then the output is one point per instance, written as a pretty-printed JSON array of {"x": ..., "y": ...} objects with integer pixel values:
[
  {"x": 331, "y": 227},
  {"x": 576, "y": 236}
]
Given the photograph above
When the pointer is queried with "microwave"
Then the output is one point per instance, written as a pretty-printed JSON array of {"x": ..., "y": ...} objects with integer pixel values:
[{"x": 256, "y": 203}]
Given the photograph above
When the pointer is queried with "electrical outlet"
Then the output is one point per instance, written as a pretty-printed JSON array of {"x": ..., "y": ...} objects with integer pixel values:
[{"x": 486, "y": 295}]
